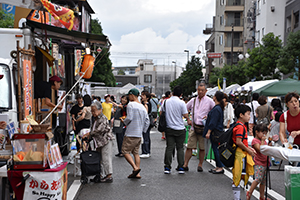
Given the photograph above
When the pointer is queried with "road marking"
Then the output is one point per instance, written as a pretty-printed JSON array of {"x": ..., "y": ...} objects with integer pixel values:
[
  {"x": 255, "y": 192},
  {"x": 72, "y": 192}
]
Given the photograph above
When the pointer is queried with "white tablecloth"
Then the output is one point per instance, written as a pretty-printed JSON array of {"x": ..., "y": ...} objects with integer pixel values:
[{"x": 292, "y": 155}]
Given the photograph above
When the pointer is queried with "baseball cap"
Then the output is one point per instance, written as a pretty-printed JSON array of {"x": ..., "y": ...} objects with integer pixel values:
[
  {"x": 55, "y": 78},
  {"x": 107, "y": 95},
  {"x": 134, "y": 91}
]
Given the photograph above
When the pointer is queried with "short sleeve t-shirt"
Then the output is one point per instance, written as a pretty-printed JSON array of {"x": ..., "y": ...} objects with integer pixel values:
[
  {"x": 238, "y": 133},
  {"x": 107, "y": 109},
  {"x": 259, "y": 158},
  {"x": 42, "y": 89},
  {"x": 292, "y": 124}
]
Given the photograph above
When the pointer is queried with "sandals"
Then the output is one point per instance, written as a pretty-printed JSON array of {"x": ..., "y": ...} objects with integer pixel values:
[
  {"x": 248, "y": 195},
  {"x": 134, "y": 173}
]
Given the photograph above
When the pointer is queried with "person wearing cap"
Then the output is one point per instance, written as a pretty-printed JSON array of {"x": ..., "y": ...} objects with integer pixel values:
[
  {"x": 137, "y": 122},
  {"x": 42, "y": 89},
  {"x": 107, "y": 106}
]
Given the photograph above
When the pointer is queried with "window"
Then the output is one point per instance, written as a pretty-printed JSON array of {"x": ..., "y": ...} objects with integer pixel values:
[
  {"x": 222, "y": 2},
  {"x": 296, "y": 19},
  {"x": 221, "y": 20},
  {"x": 221, "y": 39},
  {"x": 258, "y": 35},
  {"x": 262, "y": 32},
  {"x": 148, "y": 78},
  {"x": 142, "y": 67}
]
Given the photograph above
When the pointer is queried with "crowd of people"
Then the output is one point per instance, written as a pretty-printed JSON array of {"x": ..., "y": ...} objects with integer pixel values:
[{"x": 137, "y": 113}]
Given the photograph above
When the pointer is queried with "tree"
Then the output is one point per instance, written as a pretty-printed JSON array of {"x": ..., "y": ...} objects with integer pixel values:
[
  {"x": 289, "y": 59},
  {"x": 262, "y": 63},
  {"x": 103, "y": 68},
  {"x": 188, "y": 78},
  {"x": 6, "y": 19}
]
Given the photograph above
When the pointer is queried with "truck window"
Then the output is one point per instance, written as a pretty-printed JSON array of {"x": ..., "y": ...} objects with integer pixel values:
[{"x": 5, "y": 88}]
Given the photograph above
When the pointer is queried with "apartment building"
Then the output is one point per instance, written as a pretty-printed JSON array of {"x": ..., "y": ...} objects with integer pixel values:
[
  {"x": 270, "y": 18},
  {"x": 147, "y": 75},
  {"x": 231, "y": 31},
  {"x": 292, "y": 9}
]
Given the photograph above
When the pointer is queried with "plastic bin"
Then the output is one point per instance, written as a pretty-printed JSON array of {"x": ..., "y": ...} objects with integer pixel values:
[{"x": 292, "y": 182}]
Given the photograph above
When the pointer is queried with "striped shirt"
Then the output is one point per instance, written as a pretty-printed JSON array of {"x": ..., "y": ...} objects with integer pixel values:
[{"x": 137, "y": 120}]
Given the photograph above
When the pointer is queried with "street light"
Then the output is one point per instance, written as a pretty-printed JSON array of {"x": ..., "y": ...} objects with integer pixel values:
[
  {"x": 241, "y": 56},
  {"x": 201, "y": 52},
  {"x": 188, "y": 55},
  {"x": 175, "y": 69}
]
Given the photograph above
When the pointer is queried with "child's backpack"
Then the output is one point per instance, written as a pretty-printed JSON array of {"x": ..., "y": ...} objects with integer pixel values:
[{"x": 225, "y": 145}]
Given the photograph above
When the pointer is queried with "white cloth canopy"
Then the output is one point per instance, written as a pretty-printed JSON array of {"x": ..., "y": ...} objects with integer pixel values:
[
  {"x": 125, "y": 89},
  {"x": 255, "y": 85},
  {"x": 231, "y": 88}
]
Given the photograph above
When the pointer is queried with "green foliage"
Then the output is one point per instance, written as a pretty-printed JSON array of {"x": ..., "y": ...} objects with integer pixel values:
[
  {"x": 121, "y": 72},
  {"x": 262, "y": 63},
  {"x": 6, "y": 20},
  {"x": 289, "y": 59},
  {"x": 232, "y": 73},
  {"x": 103, "y": 69},
  {"x": 96, "y": 27},
  {"x": 188, "y": 78}
]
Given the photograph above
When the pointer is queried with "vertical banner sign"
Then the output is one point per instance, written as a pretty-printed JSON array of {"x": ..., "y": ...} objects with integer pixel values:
[
  {"x": 27, "y": 86},
  {"x": 224, "y": 84},
  {"x": 46, "y": 185}
]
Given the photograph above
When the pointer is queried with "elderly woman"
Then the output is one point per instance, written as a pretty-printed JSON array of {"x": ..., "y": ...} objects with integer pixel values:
[{"x": 102, "y": 135}]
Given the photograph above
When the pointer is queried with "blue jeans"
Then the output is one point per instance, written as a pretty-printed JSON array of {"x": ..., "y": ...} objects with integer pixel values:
[
  {"x": 146, "y": 146},
  {"x": 217, "y": 155}
]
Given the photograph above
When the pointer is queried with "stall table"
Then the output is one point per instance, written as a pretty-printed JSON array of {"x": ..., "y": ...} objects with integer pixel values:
[{"x": 47, "y": 183}]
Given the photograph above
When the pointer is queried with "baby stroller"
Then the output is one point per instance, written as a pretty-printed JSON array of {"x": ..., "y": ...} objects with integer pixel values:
[{"x": 90, "y": 162}]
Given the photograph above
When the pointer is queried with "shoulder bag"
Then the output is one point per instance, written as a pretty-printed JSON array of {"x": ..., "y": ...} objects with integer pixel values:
[
  {"x": 266, "y": 119},
  {"x": 162, "y": 124},
  {"x": 197, "y": 128}
]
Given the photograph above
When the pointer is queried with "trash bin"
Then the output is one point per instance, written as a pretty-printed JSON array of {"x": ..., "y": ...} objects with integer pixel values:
[{"x": 292, "y": 182}]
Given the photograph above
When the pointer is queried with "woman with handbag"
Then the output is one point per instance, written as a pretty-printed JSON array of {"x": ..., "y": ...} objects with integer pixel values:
[
  {"x": 146, "y": 96},
  {"x": 264, "y": 112},
  {"x": 118, "y": 126},
  {"x": 214, "y": 122}
]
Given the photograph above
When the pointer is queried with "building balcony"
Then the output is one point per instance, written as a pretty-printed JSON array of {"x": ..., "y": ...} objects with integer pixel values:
[
  {"x": 235, "y": 22},
  {"x": 234, "y": 5},
  {"x": 235, "y": 29},
  {"x": 208, "y": 29},
  {"x": 235, "y": 49}
]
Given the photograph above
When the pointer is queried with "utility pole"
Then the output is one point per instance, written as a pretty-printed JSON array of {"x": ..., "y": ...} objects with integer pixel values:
[{"x": 232, "y": 29}]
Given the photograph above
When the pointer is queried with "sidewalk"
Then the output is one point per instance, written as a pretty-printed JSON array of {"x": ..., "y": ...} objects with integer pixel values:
[{"x": 157, "y": 185}]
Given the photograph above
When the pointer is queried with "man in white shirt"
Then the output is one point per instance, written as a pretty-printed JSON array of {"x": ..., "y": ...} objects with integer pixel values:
[
  {"x": 175, "y": 109},
  {"x": 253, "y": 105}
]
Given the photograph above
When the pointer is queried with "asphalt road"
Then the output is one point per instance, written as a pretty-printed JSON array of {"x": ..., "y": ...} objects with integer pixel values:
[{"x": 157, "y": 185}]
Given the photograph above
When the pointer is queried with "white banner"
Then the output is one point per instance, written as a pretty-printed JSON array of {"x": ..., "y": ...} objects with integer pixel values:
[{"x": 46, "y": 185}]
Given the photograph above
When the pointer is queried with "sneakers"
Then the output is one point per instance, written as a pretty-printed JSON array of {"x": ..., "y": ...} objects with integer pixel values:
[
  {"x": 145, "y": 155},
  {"x": 167, "y": 170},
  {"x": 180, "y": 170}
]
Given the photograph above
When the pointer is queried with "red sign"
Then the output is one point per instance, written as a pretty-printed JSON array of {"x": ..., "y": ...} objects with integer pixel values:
[{"x": 214, "y": 55}]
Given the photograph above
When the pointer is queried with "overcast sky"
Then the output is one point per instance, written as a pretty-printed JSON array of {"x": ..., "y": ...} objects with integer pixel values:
[{"x": 154, "y": 29}]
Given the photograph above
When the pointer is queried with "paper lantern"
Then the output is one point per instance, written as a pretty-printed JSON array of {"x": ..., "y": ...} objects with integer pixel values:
[{"x": 87, "y": 66}]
